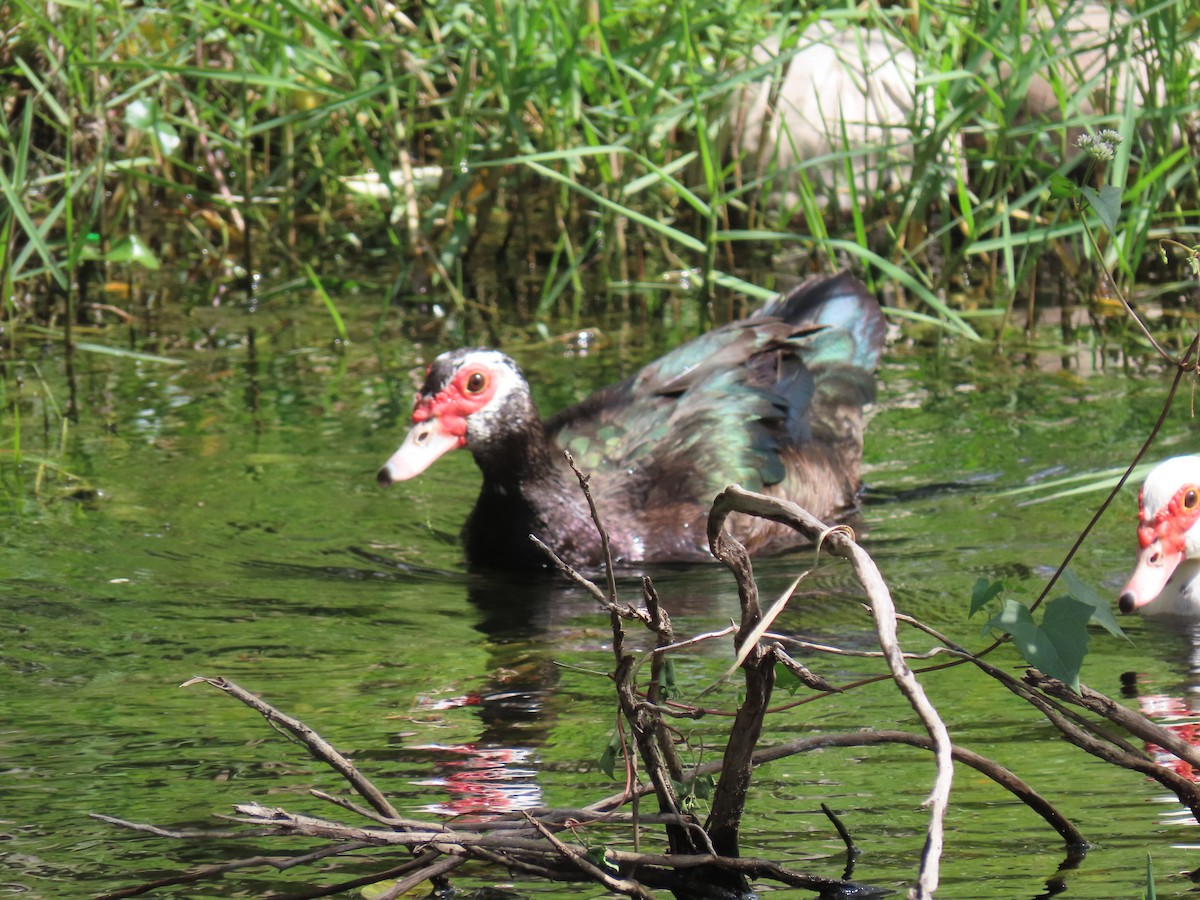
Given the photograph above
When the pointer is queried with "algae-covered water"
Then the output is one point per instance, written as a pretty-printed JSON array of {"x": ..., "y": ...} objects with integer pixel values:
[{"x": 221, "y": 518}]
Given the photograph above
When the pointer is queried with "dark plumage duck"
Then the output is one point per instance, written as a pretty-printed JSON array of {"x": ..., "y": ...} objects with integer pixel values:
[{"x": 773, "y": 402}]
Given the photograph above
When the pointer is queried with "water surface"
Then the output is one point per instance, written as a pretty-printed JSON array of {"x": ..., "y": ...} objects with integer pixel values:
[{"x": 222, "y": 519}]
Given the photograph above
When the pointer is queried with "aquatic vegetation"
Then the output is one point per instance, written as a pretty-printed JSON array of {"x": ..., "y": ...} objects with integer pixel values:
[{"x": 576, "y": 153}]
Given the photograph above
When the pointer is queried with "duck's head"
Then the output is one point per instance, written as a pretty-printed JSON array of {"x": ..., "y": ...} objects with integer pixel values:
[
  {"x": 1168, "y": 510},
  {"x": 471, "y": 398}
]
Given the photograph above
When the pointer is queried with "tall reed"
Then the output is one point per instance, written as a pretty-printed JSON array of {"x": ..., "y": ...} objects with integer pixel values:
[{"x": 576, "y": 151}]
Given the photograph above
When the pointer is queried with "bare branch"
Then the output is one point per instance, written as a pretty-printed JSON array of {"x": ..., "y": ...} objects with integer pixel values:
[
  {"x": 851, "y": 850},
  {"x": 790, "y": 641},
  {"x": 205, "y": 873},
  {"x": 178, "y": 833},
  {"x": 570, "y": 573},
  {"x": 802, "y": 672},
  {"x": 735, "y": 499},
  {"x": 1133, "y": 722},
  {"x": 430, "y": 872},
  {"x": 619, "y": 885},
  {"x": 606, "y": 550},
  {"x": 700, "y": 855},
  {"x": 1185, "y": 789},
  {"x": 321, "y": 749}
]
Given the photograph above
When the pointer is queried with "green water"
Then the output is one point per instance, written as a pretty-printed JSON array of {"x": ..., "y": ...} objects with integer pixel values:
[{"x": 226, "y": 522}]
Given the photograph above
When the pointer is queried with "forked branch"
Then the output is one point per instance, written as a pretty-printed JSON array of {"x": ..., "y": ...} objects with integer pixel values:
[{"x": 841, "y": 543}]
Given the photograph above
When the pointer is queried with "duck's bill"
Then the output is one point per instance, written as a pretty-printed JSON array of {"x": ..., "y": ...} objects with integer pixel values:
[
  {"x": 426, "y": 442},
  {"x": 1153, "y": 570}
]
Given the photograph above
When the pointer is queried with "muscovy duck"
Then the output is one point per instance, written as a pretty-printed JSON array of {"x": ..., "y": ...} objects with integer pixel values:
[
  {"x": 773, "y": 402},
  {"x": 1166, "y": 579}
]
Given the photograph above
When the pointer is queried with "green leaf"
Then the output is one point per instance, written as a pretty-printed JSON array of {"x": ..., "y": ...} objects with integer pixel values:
[
  {"x": 1106, "y": 203},
  {"x": 103, "y": 350},
  {"x": 1014, "y": 618},
  {"x": 686, "y": 794},
  {"x": 983, "y": 593},
  {"x": 1058, "y": 645},
  {"x": 666, "y": 680},
  {"x": 338, "y": 322},
  {"x": 1150, "y": 893},
  {"x": 91, "y": 247},
  {"x": 599, "y": 858},
  {"x": 1102, "y": 613},
  {"x": 652, "y": 224},
  {"x": 694, "y": 790},
  {"x": 1062, "y": 187},
  {"x": 608, "y": 759},
  {"x": 132, "y": 248},
  {"x": 1110, "y": 200},
  {"x": 143, "y": 115},
  {"x": 785, "y": 678}
]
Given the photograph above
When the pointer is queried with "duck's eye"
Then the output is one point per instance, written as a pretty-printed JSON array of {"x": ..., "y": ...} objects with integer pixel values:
[
  {"x": 478, "y": 381},
  {"x": 1190, "y": 499}
]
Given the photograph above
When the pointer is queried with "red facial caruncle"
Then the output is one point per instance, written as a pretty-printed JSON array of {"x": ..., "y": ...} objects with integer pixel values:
[
  {"x": 1171, "y": 523},
  {"x": 440, "y": 420},
  {"x": 470, "y": 390},
  {"x": 1166, "y": 578}
]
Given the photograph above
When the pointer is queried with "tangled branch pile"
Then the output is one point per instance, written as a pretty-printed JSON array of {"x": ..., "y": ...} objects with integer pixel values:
[{"x": 694, "y": 858}]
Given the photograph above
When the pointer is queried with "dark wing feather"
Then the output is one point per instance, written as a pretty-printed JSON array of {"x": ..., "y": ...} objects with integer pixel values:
[
  {"x": 673, "y": 402},
  {"x": 840, "y": 302},
  {"x": 734, "y": 404}
]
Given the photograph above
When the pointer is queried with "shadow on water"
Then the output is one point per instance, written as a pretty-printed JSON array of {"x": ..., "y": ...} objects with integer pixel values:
[
  {"x": 507, "y": 686},
  {"x": 530, "y": 625}
]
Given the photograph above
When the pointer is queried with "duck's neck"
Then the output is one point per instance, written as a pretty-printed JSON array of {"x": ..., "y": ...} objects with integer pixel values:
[
  {"x": 520, "y": 458},
  {"x": 536, "y": 494},
  {"x": 527, "y": 489}
]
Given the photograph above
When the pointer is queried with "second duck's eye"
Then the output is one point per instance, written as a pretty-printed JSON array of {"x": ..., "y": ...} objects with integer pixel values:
[
  {"x": 478, "y": 381},
  {"x": 1190, "y": 499}
]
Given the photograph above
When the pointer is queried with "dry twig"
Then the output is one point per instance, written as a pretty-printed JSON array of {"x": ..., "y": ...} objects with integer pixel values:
[{"x": 725, "y": 548}]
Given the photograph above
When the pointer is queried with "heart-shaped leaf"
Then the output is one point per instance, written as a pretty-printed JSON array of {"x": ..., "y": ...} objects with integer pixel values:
[
  {"x": 1102, "y": 613},
  {"x": 982, "y": 593},
  {"x": 1058, "y": 645},
  {"x": 132, "y": 248},
  {"x": 1107, "y": 204}
]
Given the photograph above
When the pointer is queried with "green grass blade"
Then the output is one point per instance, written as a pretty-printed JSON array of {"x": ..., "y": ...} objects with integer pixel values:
[
  {"x": 338, "y": 322},
  {"x": 667, "y": 231}
]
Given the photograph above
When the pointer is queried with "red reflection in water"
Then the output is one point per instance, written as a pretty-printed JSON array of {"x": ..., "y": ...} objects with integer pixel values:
[
  {"x": 482, "y": 780},
  {"x": 1178, "y": 715}
]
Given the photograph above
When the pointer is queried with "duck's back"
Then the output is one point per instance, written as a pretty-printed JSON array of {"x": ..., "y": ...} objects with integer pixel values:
[{"x": 774, "y": 403}]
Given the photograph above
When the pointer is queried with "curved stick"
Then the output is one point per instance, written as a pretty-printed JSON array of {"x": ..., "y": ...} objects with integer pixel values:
[
  {"x": 724, "y": 547},
  {"x": 1006, "y": 778}
]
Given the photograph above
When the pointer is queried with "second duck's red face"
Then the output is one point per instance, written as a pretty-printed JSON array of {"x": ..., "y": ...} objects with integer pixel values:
[
  {"x": 457, "y": 386},
  {"x": 1168, "y": 508}
]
